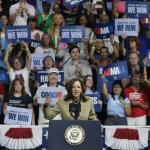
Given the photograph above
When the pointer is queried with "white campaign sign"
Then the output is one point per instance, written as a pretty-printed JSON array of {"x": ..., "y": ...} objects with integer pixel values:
[
  {"x": 54, "y": 93},
  {"x": 18, "y": 116},
  {"x": 128, "y": 27},
  {"x": 37, "y": 60}
]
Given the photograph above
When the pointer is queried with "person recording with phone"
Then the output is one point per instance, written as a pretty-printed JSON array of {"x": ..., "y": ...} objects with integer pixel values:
[
  {"x": 20, "y": 12},
  {"x": 45, "y": 19}
]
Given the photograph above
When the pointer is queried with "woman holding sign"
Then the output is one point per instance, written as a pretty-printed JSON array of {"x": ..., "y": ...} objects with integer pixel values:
[
  {"x": 75, "y": 106},
  {"x": 91, "y": 92},
  {"x": 17, "y": 97}
]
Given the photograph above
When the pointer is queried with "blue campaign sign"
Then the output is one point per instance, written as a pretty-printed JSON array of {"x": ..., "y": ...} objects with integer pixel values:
[
  {"x": 72, "y": 34},
  {"x": 148, "y": 58},
  {"x": 42, "y": 77},
  {"x": 3, "y": 77},
  {"x": 116, "y": 71},
  {"x": 137, "y": 9},
  {"x": 34, "y": 43},
  {"x": 100, "y": 83},
  {"x": 18, "y": 33},
  {"x": 103, "y": 31},
  {"x": 72, "y": 3},
  {"x": 95, "y": 98},
  {"x": 1, "y": 24},
  {"x": 45, "y": 138}
]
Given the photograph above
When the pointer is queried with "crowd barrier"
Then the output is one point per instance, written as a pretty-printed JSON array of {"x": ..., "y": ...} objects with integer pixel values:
[{"x": 36, "y": 137}]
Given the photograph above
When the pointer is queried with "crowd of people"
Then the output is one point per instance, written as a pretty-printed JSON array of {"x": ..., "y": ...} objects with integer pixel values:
[{"x": 124, "y": 102}]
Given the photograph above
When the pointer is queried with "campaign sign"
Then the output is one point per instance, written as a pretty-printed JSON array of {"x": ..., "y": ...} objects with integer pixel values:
[
  {"x": 3, "y": 77},
  {"x": 54, "y": 93},
  {"x": 72, "y": 34},
  {"x": 128, "y": 27},
  {"x": 42, "y": 77},
  {"x": 18, "y": 116},
  {"x": 95, "y": 98},
  {"x": 148, "y": 58},
  {"x": 116, "y": 71},
  {"x": 103, "y": 31},
  {"x": 72, "y": 3},
  {"x": 51, "y": 1},
  {"x": 35, "y": 43},
  {"x": 45, "y": 138},
  {"x": 100, "y": 84},
  {"x": 37, "y": 60},
  {"x": 137, "y": 9},
  {"x": 18, "y": 33}
]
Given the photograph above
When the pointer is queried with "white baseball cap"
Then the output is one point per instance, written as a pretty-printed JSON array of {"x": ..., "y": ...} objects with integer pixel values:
[{"x": 53, "y": 70}]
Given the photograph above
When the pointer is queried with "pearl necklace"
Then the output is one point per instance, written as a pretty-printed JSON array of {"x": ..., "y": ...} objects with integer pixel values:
[{"x": 75, "y": 102}]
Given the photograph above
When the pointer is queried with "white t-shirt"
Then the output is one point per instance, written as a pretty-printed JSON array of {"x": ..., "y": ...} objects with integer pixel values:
[
  {"x": 50, "y": 51},
  {"x": 24, "y": 73},
  {"x": 21, "y": 19},
  {"x": 41, "y": 119}
]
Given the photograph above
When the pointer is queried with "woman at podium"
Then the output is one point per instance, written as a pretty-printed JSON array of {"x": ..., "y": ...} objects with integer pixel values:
[{"x": 74, "y": 106}]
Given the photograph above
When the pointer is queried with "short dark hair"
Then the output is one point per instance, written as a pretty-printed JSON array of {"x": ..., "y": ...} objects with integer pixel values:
[
  {"x": 19, "y": 59},
  {"x": 72, "y": 47},
  {"x": 104, "y": 47},
  {"x": 48, "y": 56},
  {"x": 32, "y": 18},
  {"x": 46, "y": 3},
  {"x": 118, "y": 82}
]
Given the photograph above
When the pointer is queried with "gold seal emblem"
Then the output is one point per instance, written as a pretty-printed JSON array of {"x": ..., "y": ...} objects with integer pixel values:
[{"x": 74, "y": 135}]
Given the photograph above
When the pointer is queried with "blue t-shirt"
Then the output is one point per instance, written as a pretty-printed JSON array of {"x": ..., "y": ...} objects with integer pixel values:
[{"x": 114, "y": 107}]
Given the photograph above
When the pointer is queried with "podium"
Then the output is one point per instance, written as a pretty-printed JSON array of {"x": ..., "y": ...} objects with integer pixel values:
[{"x": 74, "y": 135}]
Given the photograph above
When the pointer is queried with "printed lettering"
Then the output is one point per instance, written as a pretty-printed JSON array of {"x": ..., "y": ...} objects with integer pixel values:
[
  {"x": 11, "y": 35},
  {"x": 23, "y": 118},
  {"x": 22, "y": 35},
  {"x": 12, "y": 116}
]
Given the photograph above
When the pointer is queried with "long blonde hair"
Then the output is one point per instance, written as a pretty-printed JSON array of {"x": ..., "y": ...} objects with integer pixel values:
[{"x": 52, "y": 29}]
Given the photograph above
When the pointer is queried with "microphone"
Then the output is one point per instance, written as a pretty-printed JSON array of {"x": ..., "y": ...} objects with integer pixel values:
[{"x": 65, "y": 62}]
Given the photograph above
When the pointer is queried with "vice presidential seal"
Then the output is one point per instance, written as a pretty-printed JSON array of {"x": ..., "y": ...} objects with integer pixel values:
[{"x": 74, "y": 135}]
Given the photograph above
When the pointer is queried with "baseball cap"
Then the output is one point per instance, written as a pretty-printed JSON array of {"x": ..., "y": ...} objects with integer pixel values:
[{"x": 53, "y": 70}]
